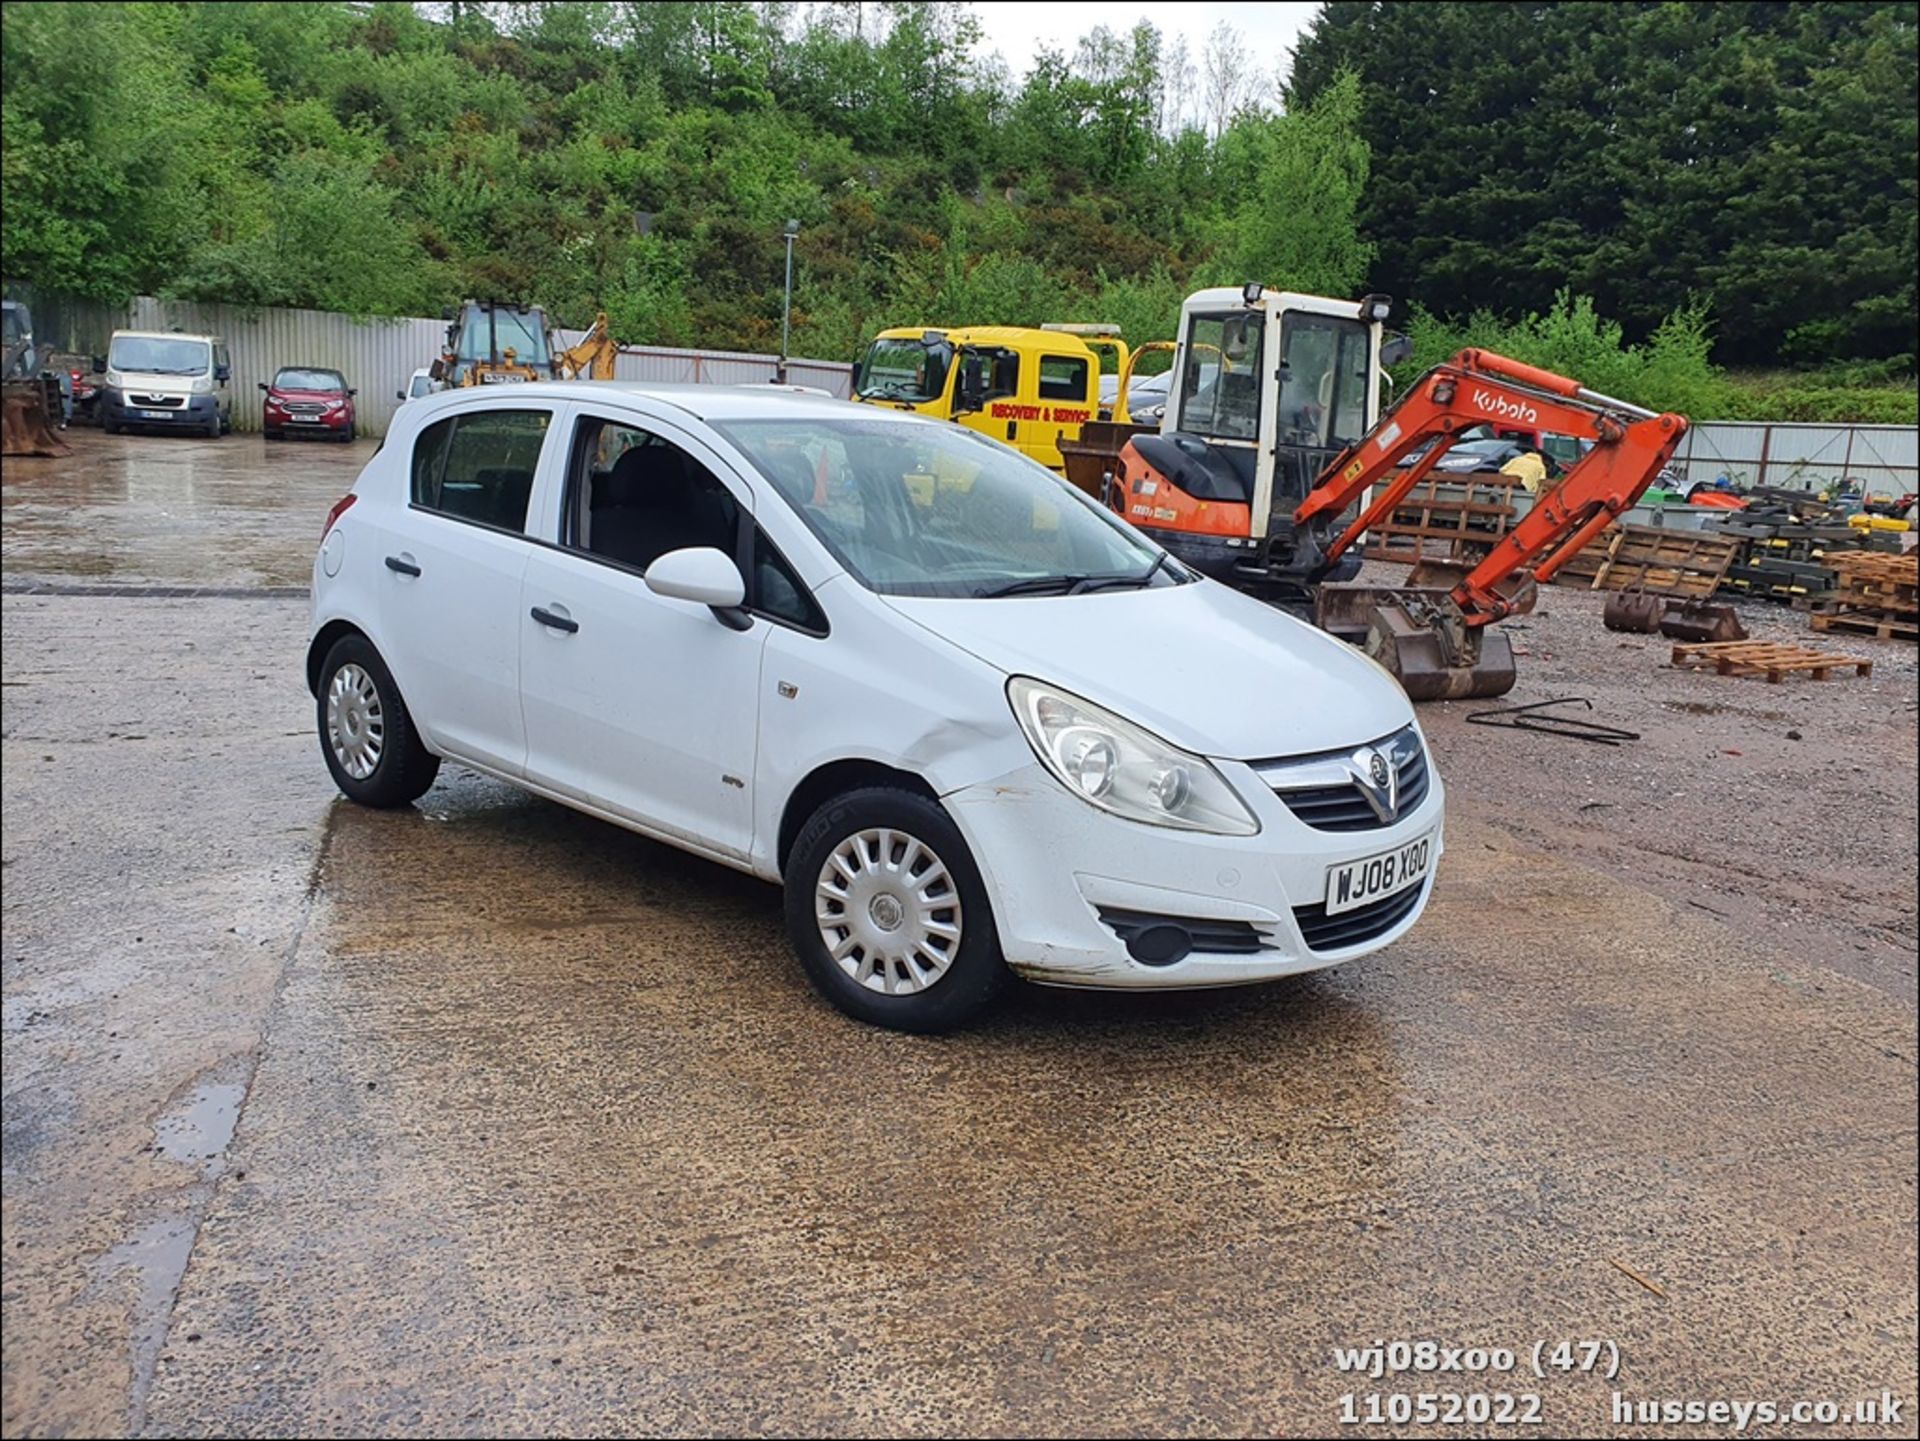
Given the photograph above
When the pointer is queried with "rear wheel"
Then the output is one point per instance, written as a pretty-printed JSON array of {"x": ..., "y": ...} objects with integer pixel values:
[
  {"x": 366, "y": 734},
  {"x": 889, "y": 915}
]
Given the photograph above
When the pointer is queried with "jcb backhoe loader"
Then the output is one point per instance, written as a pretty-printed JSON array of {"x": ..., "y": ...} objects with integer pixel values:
[{"x": 1273, "y": 460}]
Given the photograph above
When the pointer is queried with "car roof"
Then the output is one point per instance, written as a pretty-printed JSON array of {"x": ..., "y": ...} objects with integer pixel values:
[{"x": 704, "y": 402}]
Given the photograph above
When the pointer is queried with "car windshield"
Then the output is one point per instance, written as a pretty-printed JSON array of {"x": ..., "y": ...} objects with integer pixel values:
[
  {"x": 159, "y": 355},
  {"x": 291, "y": 379},
  {"x": 904, "y": 369},
  {"x": 938, "y": 510}
]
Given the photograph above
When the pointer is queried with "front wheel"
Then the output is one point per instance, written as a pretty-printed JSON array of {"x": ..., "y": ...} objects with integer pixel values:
[
  {"x": 366, "y": 734},
  {"x": 889, "y": 914}
]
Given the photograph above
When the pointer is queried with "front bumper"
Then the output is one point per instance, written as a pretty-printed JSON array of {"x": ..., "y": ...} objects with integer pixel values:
[
  {"x": 327, "y": 423},
  {"x": 115, "y": 408},
  {"x": 1067, "y": 880}
]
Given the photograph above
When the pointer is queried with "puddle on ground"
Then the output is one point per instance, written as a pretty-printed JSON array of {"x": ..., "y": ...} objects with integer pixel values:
[{"x": 197, "y": 1132}]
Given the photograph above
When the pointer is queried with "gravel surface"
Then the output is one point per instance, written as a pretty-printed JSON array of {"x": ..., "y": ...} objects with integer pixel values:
[{"x": 1786, "y": 810}]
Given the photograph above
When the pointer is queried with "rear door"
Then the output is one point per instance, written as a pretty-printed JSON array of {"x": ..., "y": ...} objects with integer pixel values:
[
  {"x": 450, "y": 580},
  {"x": 1066, "y": 397}
]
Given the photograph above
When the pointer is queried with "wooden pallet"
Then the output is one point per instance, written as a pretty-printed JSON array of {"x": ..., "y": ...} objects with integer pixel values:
[
  {"x": 1761, "y": 657},
  {"x": 1873, "y": 623},
  {"x": 1447, "y": 520},
  {"x": 1684, "y": 563},
  {"x": 1869, "y": 580}
]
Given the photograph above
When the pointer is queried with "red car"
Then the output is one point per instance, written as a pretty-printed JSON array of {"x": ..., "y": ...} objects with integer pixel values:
[{"x": 305, "y": 401}]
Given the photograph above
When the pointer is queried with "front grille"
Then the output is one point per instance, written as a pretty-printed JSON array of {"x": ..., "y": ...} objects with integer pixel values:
[
  {"x": 1239, "y": 938},
  {"x": 303, "y": 407},
  {"x": 157, "y": 402},
  {"x": 1341, "y": 805},
  {"x": 1323, "y": 932}
]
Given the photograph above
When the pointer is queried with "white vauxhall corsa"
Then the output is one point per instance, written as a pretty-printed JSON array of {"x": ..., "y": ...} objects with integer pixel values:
[{"x": 973, "y": 722}]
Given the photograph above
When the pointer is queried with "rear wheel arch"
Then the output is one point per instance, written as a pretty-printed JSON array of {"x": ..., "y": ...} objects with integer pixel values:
[
  {"x": 835, "y": 778},
  {"x": 324, "y": 640}
]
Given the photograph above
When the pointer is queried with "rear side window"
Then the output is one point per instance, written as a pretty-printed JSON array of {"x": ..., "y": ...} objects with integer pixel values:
[
  {"x": 480, "y": 466},
  {"x": 1063, "y": 377}
]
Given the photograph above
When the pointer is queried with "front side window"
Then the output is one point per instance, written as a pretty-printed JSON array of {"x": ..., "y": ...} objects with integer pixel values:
[
  {"x": 159, "y": 355},
  {"x": 633, "y": 496},
  {"x": 1063, "y": 377},
  {"x": 936, "y": 510},
  {"x": 1323, "y": 388},
  {"x": 327, "y": 380},
  {"x": 1220, "y": 389},
  {"x": 421, "y": 384},
  {"x": 903, "y": 369},
  {"x": 479, "y": 466}
]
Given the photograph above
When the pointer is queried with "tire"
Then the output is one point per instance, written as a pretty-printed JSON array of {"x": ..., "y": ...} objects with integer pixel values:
[
  {"x": 214, "y": 430},
  {"x": 109, "y": 427},
  {"x": 274, "y": 434},
  {"x": 882, "y": 898},
  {"x": 358, "y": 692}
]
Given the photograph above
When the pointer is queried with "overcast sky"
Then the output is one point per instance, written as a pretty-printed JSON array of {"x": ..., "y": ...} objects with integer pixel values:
[{"x": 1016, "y": 28}]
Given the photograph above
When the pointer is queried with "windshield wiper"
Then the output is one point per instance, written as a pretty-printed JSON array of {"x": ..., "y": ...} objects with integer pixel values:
[
  {"x": 1035, "y": 585},
  {"x": 1136, "y": 582}
]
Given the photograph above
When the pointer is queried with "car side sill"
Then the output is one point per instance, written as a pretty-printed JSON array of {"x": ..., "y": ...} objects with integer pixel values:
[{"x": 652, "y": 833}]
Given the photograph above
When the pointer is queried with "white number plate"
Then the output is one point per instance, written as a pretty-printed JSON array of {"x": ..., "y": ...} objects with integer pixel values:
[
  {"x": 155, "y": 414},
  {"x": 1359, "y": 882}
]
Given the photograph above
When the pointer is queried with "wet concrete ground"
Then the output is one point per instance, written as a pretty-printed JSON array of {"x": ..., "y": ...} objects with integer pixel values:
[{"x": 486, "y": 1117}]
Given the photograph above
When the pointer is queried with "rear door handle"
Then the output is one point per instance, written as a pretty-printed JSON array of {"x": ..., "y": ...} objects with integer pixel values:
[
  {"x": 400, "y": 566},
  {"x": 558, "y": 622}
]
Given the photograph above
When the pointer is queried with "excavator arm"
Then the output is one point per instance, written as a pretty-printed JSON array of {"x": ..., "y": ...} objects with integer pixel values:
[
  {"x": 592, "y": 358},
  {"x": 1477, "y": 387}
]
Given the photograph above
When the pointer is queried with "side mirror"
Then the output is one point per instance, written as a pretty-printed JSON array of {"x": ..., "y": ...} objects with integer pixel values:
[
  {"x": 971, "y": 392},
  {"x": 99, "y": 365},
  {"x": 1394, "y": 348},
  {"x": 438, "y": 370},
  {"x": 352, "y": 391},
  {"x": 399, "y": 395},
  {"x": 223, "y": 373},
  {"x": 263, "y": 385},
  {"x": 706, "y": 576}
]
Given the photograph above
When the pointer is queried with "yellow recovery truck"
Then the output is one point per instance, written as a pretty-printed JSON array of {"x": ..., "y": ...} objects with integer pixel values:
[{"x": 1029, "y": 388}]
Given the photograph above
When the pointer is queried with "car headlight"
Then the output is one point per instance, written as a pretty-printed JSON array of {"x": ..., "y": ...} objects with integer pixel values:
[
  {"x": 202, "y": 385},
  {"x": 113, "y": 379},
  {"x": 1122, "y": 769}
]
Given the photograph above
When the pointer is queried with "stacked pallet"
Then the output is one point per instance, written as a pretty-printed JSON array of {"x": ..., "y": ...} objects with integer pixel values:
[
  {"x": 1654, "y": 560},
  {"x": 1458, "y": 520},
  {"x": 1873, "y": 594},
  {"x": 1782, "y": 558}
]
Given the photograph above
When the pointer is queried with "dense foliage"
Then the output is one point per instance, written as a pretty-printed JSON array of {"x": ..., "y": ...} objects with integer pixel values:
[
  {"x": 643, "y": 158},
  {"x": 1762, "y": 154},
  {"x": 1751, "y": 163}
]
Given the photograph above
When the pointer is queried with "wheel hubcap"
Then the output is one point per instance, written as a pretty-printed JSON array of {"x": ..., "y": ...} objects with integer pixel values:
[
  {"x": 356, "y": 726},
  {"x": 888, "y": 911}
]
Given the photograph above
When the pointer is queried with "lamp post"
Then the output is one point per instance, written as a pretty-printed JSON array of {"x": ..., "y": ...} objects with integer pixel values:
[{"x": 786, "y": 311}]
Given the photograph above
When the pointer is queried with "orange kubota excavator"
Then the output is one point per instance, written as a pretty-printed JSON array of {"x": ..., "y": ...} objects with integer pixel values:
[{"x": 1273, "y": 460}]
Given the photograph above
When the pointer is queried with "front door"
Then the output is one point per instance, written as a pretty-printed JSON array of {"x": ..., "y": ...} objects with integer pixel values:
[{"x": 639, "y": 705}]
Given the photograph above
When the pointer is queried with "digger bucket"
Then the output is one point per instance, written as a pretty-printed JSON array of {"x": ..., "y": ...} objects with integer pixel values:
[
  {"x": 1420, "y": 636},
  {"x": 27, "y": 410},
  {"x": 1701, "y": 621},
  {"x": 1633, "y": 610}
]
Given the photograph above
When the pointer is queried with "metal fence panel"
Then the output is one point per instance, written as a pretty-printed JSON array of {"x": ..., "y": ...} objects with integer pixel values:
[{"x": 1879, "y": 459}]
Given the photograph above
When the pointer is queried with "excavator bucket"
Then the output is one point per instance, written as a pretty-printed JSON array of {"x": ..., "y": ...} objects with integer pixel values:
[
  {"x": 27, "y": 411},
  {"x": 1419, "y": 635},
  {"x": 1633, "y": 610},
  {"x": 1701, "y": 621}
]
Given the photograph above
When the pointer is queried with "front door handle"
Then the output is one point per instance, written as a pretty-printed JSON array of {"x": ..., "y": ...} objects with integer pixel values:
[
  {"x": 401, "y": 566},
  {"x": 558, "y": 622}
]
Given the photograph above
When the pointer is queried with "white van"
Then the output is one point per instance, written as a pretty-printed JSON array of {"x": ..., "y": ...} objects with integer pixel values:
[{"x": 164, "y": 378}]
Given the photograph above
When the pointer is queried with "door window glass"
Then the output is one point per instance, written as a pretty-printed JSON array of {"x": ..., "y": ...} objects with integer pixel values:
[
  {"x": 633, "y": 497},
  {"x": 479, "y": 466},
  {"x": 1220, "y": 390},
  {"x": 1323, "y": 396},
  {"x": 1063, "y": 377}
]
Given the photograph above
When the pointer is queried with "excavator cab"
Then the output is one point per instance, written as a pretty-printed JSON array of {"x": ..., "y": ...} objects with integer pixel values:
[{"x": 1268, "y": 387}]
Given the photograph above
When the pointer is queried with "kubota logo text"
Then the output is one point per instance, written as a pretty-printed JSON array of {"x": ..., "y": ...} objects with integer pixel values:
[{"x": 1507, "y": 409}]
